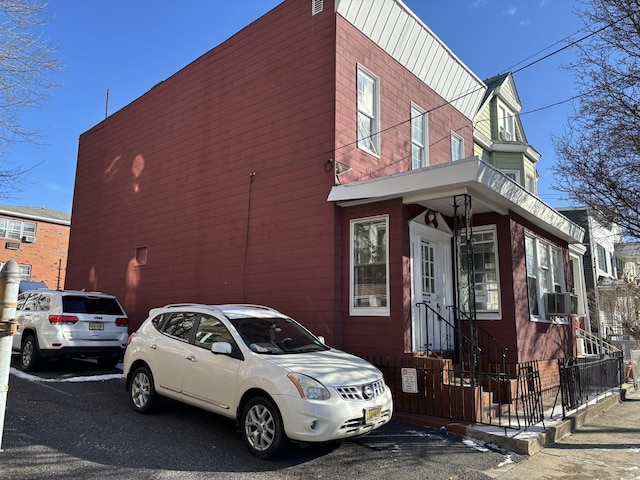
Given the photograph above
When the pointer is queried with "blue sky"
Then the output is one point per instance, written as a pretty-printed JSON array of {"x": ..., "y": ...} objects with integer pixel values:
[{"x": 128, "y": 46}]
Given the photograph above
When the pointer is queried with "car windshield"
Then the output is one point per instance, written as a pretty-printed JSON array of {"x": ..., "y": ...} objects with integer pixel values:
[{"x": 276, "y": 336}]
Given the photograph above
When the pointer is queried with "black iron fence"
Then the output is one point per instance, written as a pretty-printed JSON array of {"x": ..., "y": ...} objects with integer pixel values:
[{"x": 583, "y": 379}]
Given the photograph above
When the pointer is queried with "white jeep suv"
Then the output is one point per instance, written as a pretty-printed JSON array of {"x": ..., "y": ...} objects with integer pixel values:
[
  {"x": 259, "y": 367},
  {"x": 58, "y": 323}
]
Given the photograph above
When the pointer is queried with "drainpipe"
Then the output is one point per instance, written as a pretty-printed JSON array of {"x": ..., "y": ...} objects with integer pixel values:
[{"x": 9, "y": 282}]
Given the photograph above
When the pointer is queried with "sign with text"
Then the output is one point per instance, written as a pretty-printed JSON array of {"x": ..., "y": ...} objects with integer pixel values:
[{"x": 409, "y": 380}]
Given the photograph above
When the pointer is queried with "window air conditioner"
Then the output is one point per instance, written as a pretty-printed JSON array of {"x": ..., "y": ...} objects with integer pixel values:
[
  {"x": 29, "y": 238},
  {"x": 560, "y": 304},
  {"x": 12, "y": 245}
]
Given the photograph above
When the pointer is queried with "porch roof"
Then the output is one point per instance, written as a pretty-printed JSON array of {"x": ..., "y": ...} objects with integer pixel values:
[{"x": 434, "y": 188}]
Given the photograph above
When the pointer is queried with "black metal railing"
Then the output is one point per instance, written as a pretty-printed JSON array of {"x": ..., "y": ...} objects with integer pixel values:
[
  {"x": 434, "y": 387},
  {"x": 583, "y": 379}
]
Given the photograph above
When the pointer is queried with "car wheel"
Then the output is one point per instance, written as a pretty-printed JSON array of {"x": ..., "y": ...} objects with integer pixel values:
[
  {"x": 262, "y": 428},
  {"x": 108, "y": 362},
  {"x": 143, "y": 393},
  {"x": 29, "y": 354}
]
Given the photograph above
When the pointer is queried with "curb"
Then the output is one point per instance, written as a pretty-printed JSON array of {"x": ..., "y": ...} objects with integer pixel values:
[{"x": 536, "y": 437}]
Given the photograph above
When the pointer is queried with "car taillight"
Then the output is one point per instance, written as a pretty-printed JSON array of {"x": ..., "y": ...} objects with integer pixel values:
[
  {"x": 131, "y": 337},
  {"x": 55, "y": 319},
  {"x": 122, "y": 322}
]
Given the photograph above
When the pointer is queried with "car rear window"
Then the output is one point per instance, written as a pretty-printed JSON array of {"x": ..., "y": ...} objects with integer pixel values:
[{"x": 93, "y": 305}]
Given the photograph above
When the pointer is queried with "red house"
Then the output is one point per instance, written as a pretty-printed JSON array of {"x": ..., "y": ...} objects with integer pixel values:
[{"x": 320, "y": 161}]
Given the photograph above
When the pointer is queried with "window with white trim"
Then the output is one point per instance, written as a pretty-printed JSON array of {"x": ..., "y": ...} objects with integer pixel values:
[
  {"x": 506, "y": 130},
  {"x": 368, "y": 111},
  {"x": 25, "y": 271},
  {"x": 513, "y": 175},
  {"x": 545, "y": 274},
  {"x": 369, "y": 272},
  {"x": 457, "y": 147},
  {"x": 486, "y": 273},
  {"x": 419, "y": 150},
  {"x": 16, "y": 229}
]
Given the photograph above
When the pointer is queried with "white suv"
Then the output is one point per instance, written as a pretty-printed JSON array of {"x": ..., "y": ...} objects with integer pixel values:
[
  {"x": 57, "y": 323},
  {"x": 259, "y": 367}
]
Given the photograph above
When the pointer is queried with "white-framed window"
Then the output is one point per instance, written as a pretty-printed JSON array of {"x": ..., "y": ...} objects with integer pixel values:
[
  {"x": 530, "y": 184},
  {"x": 368, "y": 111},
  {"x": 457, "y": 147},
  {"x": 602, "y": 258},
  {"x": 16, "y": 229},
  {"x": 369, "y": 266},
  {"x": 486, "y": 273},
  {"x": 545, "y": 274},
  {"x": 25, "y": 271},
  {"x": 513, "y": 175},
  {"x": 419, "y": 142},
  {"x": 506, "y": 122}
]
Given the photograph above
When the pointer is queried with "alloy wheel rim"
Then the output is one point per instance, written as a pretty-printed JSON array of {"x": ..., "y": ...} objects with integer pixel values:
[
  {"x": 27, "y": 353},
  {"x": 140, "y": 389},
  {"x": 260, "y": 428}
]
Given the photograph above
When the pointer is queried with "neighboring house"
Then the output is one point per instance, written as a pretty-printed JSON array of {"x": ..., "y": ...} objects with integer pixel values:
[
  {"x": 321, "y": 161},
  {"x": 499, "y": 135},
  {"x": 37, "y": 240},
  {"x": 601, "y": 267}
]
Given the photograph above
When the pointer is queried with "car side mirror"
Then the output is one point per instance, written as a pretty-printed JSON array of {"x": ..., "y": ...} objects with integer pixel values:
[
  {"x": 321, "y": 338},
  {"x": 223, "y": 348}
]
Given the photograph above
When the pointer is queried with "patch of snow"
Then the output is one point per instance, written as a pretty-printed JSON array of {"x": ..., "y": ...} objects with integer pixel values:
[
  {"x": 469, "y": 442},
  {"x": 89, "y": 378},
  {"x": 507, "y": 460}
]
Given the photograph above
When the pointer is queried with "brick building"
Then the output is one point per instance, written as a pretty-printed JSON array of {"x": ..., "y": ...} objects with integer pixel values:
[{"x": 37, "y": 239}]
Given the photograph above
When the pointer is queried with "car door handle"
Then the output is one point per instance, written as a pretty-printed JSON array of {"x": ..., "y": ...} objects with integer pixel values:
[
  {"x": 191, "y": 358},
  {"x": 153, "y": 346}
]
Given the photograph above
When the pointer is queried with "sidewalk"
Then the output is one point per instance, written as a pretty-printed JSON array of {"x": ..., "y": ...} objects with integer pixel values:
[{"x": 605, "y": 443}]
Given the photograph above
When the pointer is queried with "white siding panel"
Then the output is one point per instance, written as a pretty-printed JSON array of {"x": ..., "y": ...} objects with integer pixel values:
[
  {"x": 363, "y": 14},
  {"x": 410, "y": 44},
  {"x": 397, "y": 20},
  {"x": 381, "y": 24},
  {"x": 416, "y": 53},
  {"x": 349, "y": 9}
]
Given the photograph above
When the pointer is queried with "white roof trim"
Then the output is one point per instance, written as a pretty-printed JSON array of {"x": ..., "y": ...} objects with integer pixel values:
[
  {"x": 490, "y": 190},
  {"x": 400, "y": 32}
]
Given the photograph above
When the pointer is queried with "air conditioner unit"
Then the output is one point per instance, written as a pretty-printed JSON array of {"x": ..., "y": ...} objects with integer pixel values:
[
  {"x": 29, "y": 238},
  {"x": 12, "y": 245},
  {"x": 560, "y": 304}
]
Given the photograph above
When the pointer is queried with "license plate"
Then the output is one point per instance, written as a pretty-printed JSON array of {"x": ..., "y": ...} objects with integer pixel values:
[
  {"x": 96, "y": 326},
  {"x": 372, "y": 415}
]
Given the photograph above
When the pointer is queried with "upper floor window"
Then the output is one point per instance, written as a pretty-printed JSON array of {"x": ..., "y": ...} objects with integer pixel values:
[
  {"x": 530, "y": 184},
  {"x": 513, "y": 175},
  {"x": 602, "y": 258},
  {"x": 457, "y": 147},
  {"x": 506, "y": 123},
  {"x": 419, "y": 150},
  {"x": 368, "y": 112},
  {"x": 369, "y": 272},
  {"x": 17, "y": 229}
]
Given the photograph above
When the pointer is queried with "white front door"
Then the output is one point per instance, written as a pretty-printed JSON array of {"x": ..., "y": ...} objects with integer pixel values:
[{"x": 432, "y": 320}]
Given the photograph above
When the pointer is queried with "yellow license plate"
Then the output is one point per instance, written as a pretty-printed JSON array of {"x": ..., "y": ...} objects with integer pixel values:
[
  {"x": 96, "y": 326},
  {"x": 372, "y": 415}
]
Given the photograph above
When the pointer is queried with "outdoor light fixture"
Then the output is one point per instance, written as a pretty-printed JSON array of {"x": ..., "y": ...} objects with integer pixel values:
[{"x": 431, "y": 218}]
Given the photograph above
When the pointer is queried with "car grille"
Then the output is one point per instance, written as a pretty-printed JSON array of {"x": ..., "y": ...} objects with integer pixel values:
[{"x": 355, "y": 392}]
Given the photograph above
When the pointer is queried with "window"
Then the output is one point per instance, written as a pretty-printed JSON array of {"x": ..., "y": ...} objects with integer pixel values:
[
  {"x": 419, "y": 151},
  {"x": 368, "y": 112},
  {"x": 180, "y": 324},
  {"x": 457, "y": 147},
  {"x": 486, "y": 278},
  {"x": 544, "y": 274},
  {"x": 25, "y": 272},
  {"x": 16, "y": 229},
  {"x": 602, "y": 258},
  {"x": 531, "y": 184},
  {"x": 210, "y": 330},
  {"x": 369, "y": 278},
  {"x": 506, "y": 124},
  {"x": 513, "y": 175},
  {"x": 141, "y": 255}
]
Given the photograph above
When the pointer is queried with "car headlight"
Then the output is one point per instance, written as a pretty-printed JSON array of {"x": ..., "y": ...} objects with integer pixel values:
[{"x": 309, "y": 387}]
